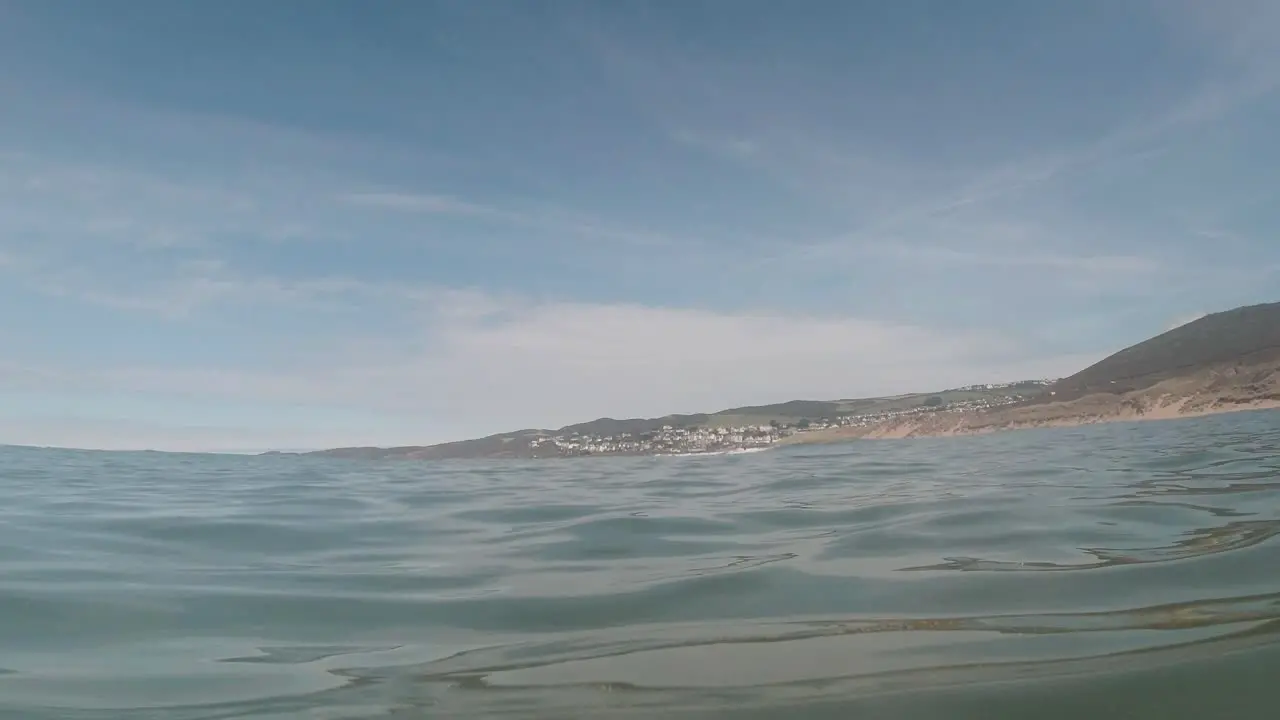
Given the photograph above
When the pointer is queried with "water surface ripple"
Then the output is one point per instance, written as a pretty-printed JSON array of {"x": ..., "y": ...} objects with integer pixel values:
[{"x": 1129, "y": 570}]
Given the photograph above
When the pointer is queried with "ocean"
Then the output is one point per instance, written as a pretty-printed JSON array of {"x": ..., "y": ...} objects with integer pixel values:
[{"x": 1113, "y": 571}]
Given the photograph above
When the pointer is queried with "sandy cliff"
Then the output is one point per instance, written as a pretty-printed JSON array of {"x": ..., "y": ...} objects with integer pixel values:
[{"x": 1225, "y": 387}]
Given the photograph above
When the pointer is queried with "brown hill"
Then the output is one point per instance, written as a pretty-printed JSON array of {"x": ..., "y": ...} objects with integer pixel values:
[
  {"x": 1224, "y": 362},
  {"x": 1244, "y": 336}
]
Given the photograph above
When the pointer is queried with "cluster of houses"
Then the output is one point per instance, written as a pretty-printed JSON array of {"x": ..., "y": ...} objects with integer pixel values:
[
  {"x": 666, "y": 440},
  {"x": 1002, "y": 386},
  {"x": 669, "y": 440},
  {"x": 953, "y": 407}
]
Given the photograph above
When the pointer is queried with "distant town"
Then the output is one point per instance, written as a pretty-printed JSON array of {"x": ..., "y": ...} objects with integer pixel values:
[
  {"x": 1224, "y": 362},
  {"x": 696, "y": 440}
]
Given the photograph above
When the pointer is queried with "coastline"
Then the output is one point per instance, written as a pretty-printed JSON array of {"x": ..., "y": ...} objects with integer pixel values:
[
  {"x": 718, "y": 453},
  {"x": 1219, "y": 390},
  {"x": 1224, "y": 362}
]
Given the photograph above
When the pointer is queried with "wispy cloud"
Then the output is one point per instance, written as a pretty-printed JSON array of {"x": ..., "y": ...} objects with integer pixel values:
[
  {"x": 677, "y": 222},
  {"x": 492, "y": 359},
  {"x": 184, "y": 288},
  {"x": 553, "y": 363},
  {"x": 740, "y": 148},
  {"x": 54, "y": 204},
  {"x": 747, "y": 112},
  {"x": 552, "y": 220},
  {"x": 424, "y": 203},
  {"x": 1126, "y": 265}
]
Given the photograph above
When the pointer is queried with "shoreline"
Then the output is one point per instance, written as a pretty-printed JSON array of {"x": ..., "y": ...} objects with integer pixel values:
[
  {"x": 719, "y": 453},
  {"x": 910, "y": 430},
  {"x": 1214, "y": 391}
]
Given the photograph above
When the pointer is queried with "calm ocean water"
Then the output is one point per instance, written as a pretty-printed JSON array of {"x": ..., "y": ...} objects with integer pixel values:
[{"x": 1123, "y": 571}]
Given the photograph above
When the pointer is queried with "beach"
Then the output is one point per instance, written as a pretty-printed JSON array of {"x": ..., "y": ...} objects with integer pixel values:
[{"x": 1216, "y": 390}]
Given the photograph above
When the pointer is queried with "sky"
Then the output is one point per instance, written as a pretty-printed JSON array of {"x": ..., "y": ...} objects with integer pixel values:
[{"x": 256, "y": 225}]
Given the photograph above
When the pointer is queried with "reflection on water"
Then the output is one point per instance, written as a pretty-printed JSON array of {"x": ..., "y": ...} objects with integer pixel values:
[{"x": 799, "y": 583}]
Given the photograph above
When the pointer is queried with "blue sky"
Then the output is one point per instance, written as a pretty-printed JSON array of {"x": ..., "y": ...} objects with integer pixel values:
[{"x": 246, "y": 225}]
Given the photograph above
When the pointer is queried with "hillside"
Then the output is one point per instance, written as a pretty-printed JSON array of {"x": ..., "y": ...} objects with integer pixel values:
[
  {"x": 796, "y": 412},
  {"x": 506, "y": 445},
  {"x": 1221, "y": 362},
  {"x": 1247, "y": 335},
  {"x": 1224, "y": 362}
]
